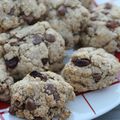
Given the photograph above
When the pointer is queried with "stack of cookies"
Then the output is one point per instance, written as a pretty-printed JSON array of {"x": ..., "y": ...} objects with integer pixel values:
[{"x": 34, "y": 35}]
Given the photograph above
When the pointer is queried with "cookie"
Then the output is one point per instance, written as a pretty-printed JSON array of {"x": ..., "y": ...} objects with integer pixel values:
[
  {"x": 41, "y": 96},
  {"x": 106, "y": 12},
  {"x": 68, "y": 17},
  {"x": 87, "y": 3},
  {"x": 103, "y": 30},
  {"x": 35, "y": 47},
  {"x": 16, "y": 12},
  {"x": 5, "y": 82},
  {"x": 91, "y": 69}
]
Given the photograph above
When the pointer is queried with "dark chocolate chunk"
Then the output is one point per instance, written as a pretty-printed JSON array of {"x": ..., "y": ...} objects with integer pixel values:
[
  {"x": 45, "y": 61},
  {"x": 38, "y": 74},
  {"x": 81, "y": 62},
  {"x": 30, "y": 104},
  {"x": 62, "y": 10},
  {"x": 12, "y": 63},
  {"x": 96, "y": 77},
  {"x": 50, "y": 38},
  {"x": 51, "y": 90}
]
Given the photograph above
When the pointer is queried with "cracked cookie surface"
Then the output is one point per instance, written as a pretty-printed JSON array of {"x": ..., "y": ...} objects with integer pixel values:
[
  {"x": 91, "y": 69},
  {"x": 41, "y": 96},
  {"x": 28, "y": 48}
]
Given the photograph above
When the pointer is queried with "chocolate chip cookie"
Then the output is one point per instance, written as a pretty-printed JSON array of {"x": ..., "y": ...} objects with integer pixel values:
[
  {"x": 41, "y": 96},
  {"x": 5, "y": 82},
  {"x": 103, "y": 30},
  {"x": 91, "y": 69},
  {"x": 87, "y": 3},
  {"x": 35, "y": 47},
  {"x": 68, "y": 17},
  {"x": 16, "y": 12}
]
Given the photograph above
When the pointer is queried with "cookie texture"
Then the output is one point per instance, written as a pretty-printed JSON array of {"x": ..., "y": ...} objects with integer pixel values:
[
  {"x": 103, "y": 30},
  {"x": 41, "y": 96},
  {"x": 5, "y": 82},
  {"x": 68, "y": 17},
  {"x": 91, "y": 69},
  {"x": 16, "y": 12},
  {"x": 35, "y": 47}
]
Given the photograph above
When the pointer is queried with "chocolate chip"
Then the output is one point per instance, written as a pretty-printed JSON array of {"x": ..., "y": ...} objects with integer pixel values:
[
  {"x": 12, "y": 63},
  {"x": 81, "y": 62},
  {"x": 45, "y": 61},
  {"x": 51, "y": 90},
  {"x": 108, "y": 6},
  {"x": 38, "y": 74},
  {"x": 50, "y": 38},
  {"x": 12, "y": 11},
  {"x": 30, "y": 104},
  {"x": 37, "y": 39},
  {"x": 38, "y": 118},
  {"x": 112, "y": 24},
  {"x": 96, "y": 77},
  {"x": 12, "y": 110},
  {"x": 62, "y": 10},
  {"x": 29, "y": 19}
]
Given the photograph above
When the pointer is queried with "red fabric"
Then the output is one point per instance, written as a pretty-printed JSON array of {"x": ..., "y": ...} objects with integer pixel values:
[
  {"x": 3, "y": 105},
  {"x": 117, "y": 54}
]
